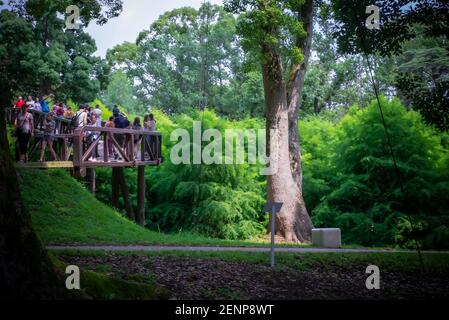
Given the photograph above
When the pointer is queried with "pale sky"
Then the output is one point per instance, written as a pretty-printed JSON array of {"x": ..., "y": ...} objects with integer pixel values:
[{"x": 136, "y": 16}]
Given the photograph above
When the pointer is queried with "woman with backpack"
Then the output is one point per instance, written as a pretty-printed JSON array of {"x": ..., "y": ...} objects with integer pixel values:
[{"x": 24, "y": 128}]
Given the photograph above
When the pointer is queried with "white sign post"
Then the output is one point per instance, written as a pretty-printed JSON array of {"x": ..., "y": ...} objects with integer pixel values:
[{"x": 273, "y": 208}]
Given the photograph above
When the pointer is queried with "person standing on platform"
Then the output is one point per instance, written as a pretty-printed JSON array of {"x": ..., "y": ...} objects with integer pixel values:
[
  {"x": 19, "y": 103},
  {"x": 97, "y": 111},
  {"x": 24, "y": 128},
  {"x": 49, "y": 137}
]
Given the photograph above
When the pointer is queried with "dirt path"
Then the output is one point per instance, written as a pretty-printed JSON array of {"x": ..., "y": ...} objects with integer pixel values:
[{"x": 140, "y": 248}]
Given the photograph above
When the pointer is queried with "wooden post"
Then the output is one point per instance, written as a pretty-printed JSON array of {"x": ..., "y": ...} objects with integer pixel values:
[
  {"x": 63, "y": 149},
  {"x": 143, "y": 148},
  {"x": 140, "y": 219},
  {"x": 106, "y": 147},
  {"x": 125, "y": 193},
  {"x": 115, "y": 188},
  {"x": 91, "y": 179}
]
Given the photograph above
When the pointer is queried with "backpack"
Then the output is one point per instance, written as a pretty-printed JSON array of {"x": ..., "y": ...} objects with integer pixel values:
[
  {"x": 74, "y": 121},
  {"x": 44, "y": 106}
]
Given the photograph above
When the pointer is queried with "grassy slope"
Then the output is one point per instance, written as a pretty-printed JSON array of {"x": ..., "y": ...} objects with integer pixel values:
[{"x": 64, "y": 212}]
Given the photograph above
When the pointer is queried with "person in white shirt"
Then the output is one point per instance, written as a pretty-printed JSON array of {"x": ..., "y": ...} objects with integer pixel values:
[
  {"x": 81, "y": 115},
  {"x": 98, "y": 114},
  {"x": 37, "y": 105},
  {"x": 30, "y": 103}
]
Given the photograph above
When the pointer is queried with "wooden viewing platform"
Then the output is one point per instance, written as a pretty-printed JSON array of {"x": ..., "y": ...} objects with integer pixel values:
[
  {"x": 84, "y": 149},
  {"x": 92, "y": 147}
]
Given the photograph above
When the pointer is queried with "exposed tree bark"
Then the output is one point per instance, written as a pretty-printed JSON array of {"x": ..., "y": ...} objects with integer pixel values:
[
  {"x": 26, "y": 271},
  {"x": 293, "y": 222},
  {"x": 282, "y": 101},
  {"x": 295, "y": 87}
]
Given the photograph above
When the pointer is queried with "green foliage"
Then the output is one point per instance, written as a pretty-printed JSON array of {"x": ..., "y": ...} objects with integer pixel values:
[
  {"x": 186, "y": 58},
  {"x": 221, "y": 201},
  {"x": 120, "y": 92},
  {"x": 47, "y": 58},
  {"x": 270, "y": 24},
  {"x": 423, "y": 77},
  {"x": 398, "y": 18},
  {"x": 106, "y": 113},
  {"x": 64, "y": 212},
  {"x": 365, "y": 198},
  {"x": 349, "y": 180}
]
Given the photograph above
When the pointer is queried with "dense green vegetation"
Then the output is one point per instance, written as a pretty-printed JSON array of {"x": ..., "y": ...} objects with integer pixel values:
[
  {"x": 191, "y": 59},
  {"x": 349, "y": 181},
  {"x": 359, "y": 189}
]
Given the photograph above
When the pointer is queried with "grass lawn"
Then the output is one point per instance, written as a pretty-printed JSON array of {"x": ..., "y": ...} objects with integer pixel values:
[{"x": 64, "y": 212}]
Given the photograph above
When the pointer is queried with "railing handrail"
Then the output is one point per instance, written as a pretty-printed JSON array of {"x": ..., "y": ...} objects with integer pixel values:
[{"x": 78, "y": 131}]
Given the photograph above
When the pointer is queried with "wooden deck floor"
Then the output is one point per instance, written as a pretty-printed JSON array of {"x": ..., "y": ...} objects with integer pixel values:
[{"x": 46, "y": 165}]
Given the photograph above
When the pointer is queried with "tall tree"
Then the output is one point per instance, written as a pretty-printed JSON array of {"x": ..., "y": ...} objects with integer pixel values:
[
  {"x": 52, "y": 58},
  {"x": 186, "y": 57},
  {"x": 281, "y": 33},
  {"x": 340, "y": 80},
  {"x": 398, "y": 21},
  {"x": 26, "y": 272},
  {"x": 423, "y": 78}
]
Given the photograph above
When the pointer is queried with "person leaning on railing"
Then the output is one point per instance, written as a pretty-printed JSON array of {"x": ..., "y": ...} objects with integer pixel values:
[
  {"x": 110, "y": 124},
  {"x": 92, "y": 136}
]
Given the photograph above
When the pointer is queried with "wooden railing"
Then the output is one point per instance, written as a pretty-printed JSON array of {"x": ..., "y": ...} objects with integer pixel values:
[
  {"x": 91, "y": 147},
  {"x": 63, "y": 125},
  {"x": 109, "y": 147}
]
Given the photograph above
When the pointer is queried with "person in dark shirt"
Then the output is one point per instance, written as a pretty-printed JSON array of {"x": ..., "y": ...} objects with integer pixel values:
[
  {"x": 122, "y": 122},
  {"x": 116, "y": 111}
]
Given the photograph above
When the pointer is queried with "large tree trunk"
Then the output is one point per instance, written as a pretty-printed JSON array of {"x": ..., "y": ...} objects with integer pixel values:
[
  {"x": 295, "y": 87},
  {"x": 26, "y": 271},
  {"x": 282, "y": 109},
  {"x": 293, "y": 222}
]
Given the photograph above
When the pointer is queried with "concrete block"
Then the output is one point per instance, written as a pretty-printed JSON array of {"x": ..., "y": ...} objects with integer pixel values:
[{"x": 326, "y": 238}]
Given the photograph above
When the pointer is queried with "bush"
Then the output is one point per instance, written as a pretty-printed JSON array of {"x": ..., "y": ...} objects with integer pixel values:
[{"x": 365, "y": 198}]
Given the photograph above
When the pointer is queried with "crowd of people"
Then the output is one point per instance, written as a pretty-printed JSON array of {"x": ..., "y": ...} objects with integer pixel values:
[{"x": 86, "y": 116}]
